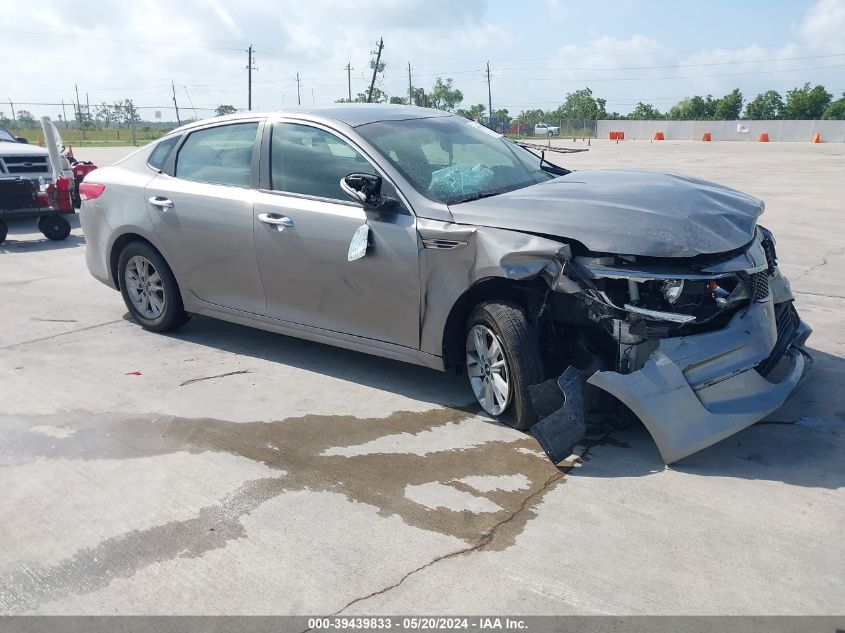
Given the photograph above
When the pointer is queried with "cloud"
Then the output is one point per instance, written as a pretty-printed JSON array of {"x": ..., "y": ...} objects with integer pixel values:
[
  {"x": 134, "y": 50},
  {"x": 824, "y": 24}
]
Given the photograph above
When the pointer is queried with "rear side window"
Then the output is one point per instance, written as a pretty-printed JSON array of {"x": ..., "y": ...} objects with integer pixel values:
[
  {"x": 161, "y": 152},
  {"x": 311, "y": 161},
  {"x": 220, "y": 155}
]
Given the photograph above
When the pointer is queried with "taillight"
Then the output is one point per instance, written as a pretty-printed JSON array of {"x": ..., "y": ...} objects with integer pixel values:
[{"x": 90, "y": 190}]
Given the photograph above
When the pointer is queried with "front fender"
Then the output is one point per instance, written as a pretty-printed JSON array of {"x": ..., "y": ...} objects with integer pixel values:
[{"x": 455, "y": 257}]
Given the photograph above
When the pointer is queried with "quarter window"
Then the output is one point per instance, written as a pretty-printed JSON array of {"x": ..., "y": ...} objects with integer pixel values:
[
  {"x": 159, "y": 155},
  {"x": 221, "y": 155},
  {"x": 311, "y": 161}
]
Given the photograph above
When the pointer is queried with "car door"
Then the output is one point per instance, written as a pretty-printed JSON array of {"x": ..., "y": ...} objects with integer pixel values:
[
  {"x": 202, "y": 213},
  {"x": 304, "y": 225}
]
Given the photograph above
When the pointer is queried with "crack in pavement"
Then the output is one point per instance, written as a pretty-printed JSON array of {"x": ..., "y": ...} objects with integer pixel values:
[
  {"x": 229, "y": 373},
  {"x": 824, "y": 262},
  {"x": 487, "y": 537},
  {"x": 52, "y": 336}
]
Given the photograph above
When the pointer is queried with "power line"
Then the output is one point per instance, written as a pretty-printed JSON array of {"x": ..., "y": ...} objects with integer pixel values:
[
  {"x": 749, "y": 61},
  {"x": 672, "y": 77}
]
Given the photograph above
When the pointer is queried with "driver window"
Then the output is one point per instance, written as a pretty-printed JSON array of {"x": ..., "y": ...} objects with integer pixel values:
[{"x": 311, "y": 161}]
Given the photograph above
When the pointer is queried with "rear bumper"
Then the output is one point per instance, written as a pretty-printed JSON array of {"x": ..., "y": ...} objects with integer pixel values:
[{"x": 696, "y": 390}]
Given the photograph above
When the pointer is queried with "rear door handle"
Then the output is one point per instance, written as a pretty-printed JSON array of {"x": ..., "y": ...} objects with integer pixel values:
[
  {"x": 161, "y": 202},
  {"x": 268, "y": 218}
]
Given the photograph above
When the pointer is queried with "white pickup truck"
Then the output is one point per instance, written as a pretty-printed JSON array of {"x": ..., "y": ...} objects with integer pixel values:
[{"x": 544, "y": 129}]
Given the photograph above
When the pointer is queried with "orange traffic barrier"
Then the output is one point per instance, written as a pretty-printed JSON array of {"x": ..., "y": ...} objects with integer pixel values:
[
  {"x": 616, "y": 136},
  {"x": 707, "y": 136},
  {"x": 658, "y": 136},
  {"x": 817, "y": 138},
  {"x": 764, "y": 138}
]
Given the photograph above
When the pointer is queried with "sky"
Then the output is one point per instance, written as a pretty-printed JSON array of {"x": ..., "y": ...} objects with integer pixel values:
[{"x": 538, "y": 50}]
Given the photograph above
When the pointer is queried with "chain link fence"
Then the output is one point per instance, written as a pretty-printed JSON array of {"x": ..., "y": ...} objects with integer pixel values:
[{"x": 548, "y": 127}]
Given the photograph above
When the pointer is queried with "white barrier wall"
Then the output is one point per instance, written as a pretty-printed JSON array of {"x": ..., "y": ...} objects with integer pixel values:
[{"x": 798, "y": 131}]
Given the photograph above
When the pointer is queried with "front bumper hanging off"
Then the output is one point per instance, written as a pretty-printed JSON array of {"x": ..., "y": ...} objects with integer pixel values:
[{"x": 694, "y": 391}]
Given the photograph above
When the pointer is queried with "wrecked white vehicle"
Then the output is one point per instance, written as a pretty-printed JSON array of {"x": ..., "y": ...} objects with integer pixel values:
[{"x": 417, "y": 235}]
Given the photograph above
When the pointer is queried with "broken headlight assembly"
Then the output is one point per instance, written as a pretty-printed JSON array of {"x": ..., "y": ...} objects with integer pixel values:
[{"x": 672, "y": 289}]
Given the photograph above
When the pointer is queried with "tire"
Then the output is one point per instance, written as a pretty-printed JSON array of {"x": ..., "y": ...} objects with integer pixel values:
[
  {"x": 4, "y": 231},
  {"x": 523, "y": 363},
  {"x": 54, "y": 227},
  {"x": 146, "y": 280}
]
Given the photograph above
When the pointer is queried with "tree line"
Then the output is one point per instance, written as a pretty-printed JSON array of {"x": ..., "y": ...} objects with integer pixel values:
[{"x": 802, "y": 102}]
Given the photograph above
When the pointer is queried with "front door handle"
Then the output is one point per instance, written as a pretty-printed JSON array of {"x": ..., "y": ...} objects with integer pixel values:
[
  {"x": 161, "y": 202},
  {"x": 281, "y": 221}
]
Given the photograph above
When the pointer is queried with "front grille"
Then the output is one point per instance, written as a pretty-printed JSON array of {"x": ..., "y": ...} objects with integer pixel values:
[
  {"x": 757, "y": 284},
  {"x": 26, "y": 164},
  {"x": 787, "y": 321}
]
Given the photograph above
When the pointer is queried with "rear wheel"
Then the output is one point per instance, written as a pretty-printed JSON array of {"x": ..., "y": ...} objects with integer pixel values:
[
  {"x": 503, "y": 360},
  {"x": 54, "y": 227},
  {"x": 149, "y": 288}
]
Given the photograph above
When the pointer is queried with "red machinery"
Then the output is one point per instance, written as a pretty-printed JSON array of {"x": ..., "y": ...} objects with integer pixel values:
[{"x": 51, "y": 201}]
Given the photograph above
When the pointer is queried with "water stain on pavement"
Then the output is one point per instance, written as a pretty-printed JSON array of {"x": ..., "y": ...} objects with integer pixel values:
[
  {"x": 298, "y": 445},
  {"x": 299, "y": 448}
]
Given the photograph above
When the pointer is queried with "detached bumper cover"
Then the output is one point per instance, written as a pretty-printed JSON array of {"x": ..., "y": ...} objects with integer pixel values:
[{"x": 696, "y": 390}]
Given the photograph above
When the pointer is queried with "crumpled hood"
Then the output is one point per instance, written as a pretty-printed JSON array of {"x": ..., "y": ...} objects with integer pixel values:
[{"x": 625, "y": 212}]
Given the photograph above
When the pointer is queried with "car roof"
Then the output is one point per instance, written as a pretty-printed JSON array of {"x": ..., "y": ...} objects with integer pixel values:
[{"x": 352, "y": 114}]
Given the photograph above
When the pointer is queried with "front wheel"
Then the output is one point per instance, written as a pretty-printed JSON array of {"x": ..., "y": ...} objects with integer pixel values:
[
  {"x": 149, "y": 288},
  {"x": 503, "y": 360}
]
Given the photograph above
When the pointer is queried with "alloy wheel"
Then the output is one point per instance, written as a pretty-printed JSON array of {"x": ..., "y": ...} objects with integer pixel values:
[
  {"x": 488, "y": 370},
  {"x": 145, "y": 287}
]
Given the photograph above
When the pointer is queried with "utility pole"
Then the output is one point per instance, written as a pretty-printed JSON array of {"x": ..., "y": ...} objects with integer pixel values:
[
  {"x": 64, "y": 113},
  {"x": 14, "y": 118},
  {"x": 298, "y": 100},
  {"x": 349, "y": 70},
  {"x": 410, "y": 88},
  {"x": 375, "y": 70},
  {"x": 87, "y": 107},
  {"x": 489, "y": 98},
  {"x": 175, "y": 105},
  {"x": 78, "y": 113},
  {"x": 250, "y": 67}
]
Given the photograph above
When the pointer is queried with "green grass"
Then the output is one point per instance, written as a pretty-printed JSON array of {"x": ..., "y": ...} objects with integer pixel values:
[{"x": 97, "y": 137}]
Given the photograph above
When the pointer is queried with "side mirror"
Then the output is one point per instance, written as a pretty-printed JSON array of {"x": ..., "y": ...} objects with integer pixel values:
[
  {"x": 22, "y": 139},
  {"x": 366, "y": 189}
]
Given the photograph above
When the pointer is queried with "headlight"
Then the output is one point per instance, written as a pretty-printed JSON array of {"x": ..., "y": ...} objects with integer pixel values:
[{"x": 672, "y": 289}]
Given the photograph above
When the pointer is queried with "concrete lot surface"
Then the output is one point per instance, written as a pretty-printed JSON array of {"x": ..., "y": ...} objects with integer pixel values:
[{"x": 221, "y": 469}]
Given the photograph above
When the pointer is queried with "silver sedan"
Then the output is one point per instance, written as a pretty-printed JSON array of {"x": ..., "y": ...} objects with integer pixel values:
[{"x": 417, "y": 235}]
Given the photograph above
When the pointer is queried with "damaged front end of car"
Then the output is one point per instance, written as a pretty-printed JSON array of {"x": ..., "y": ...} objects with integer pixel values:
[{"x": 697, "y": 348}]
